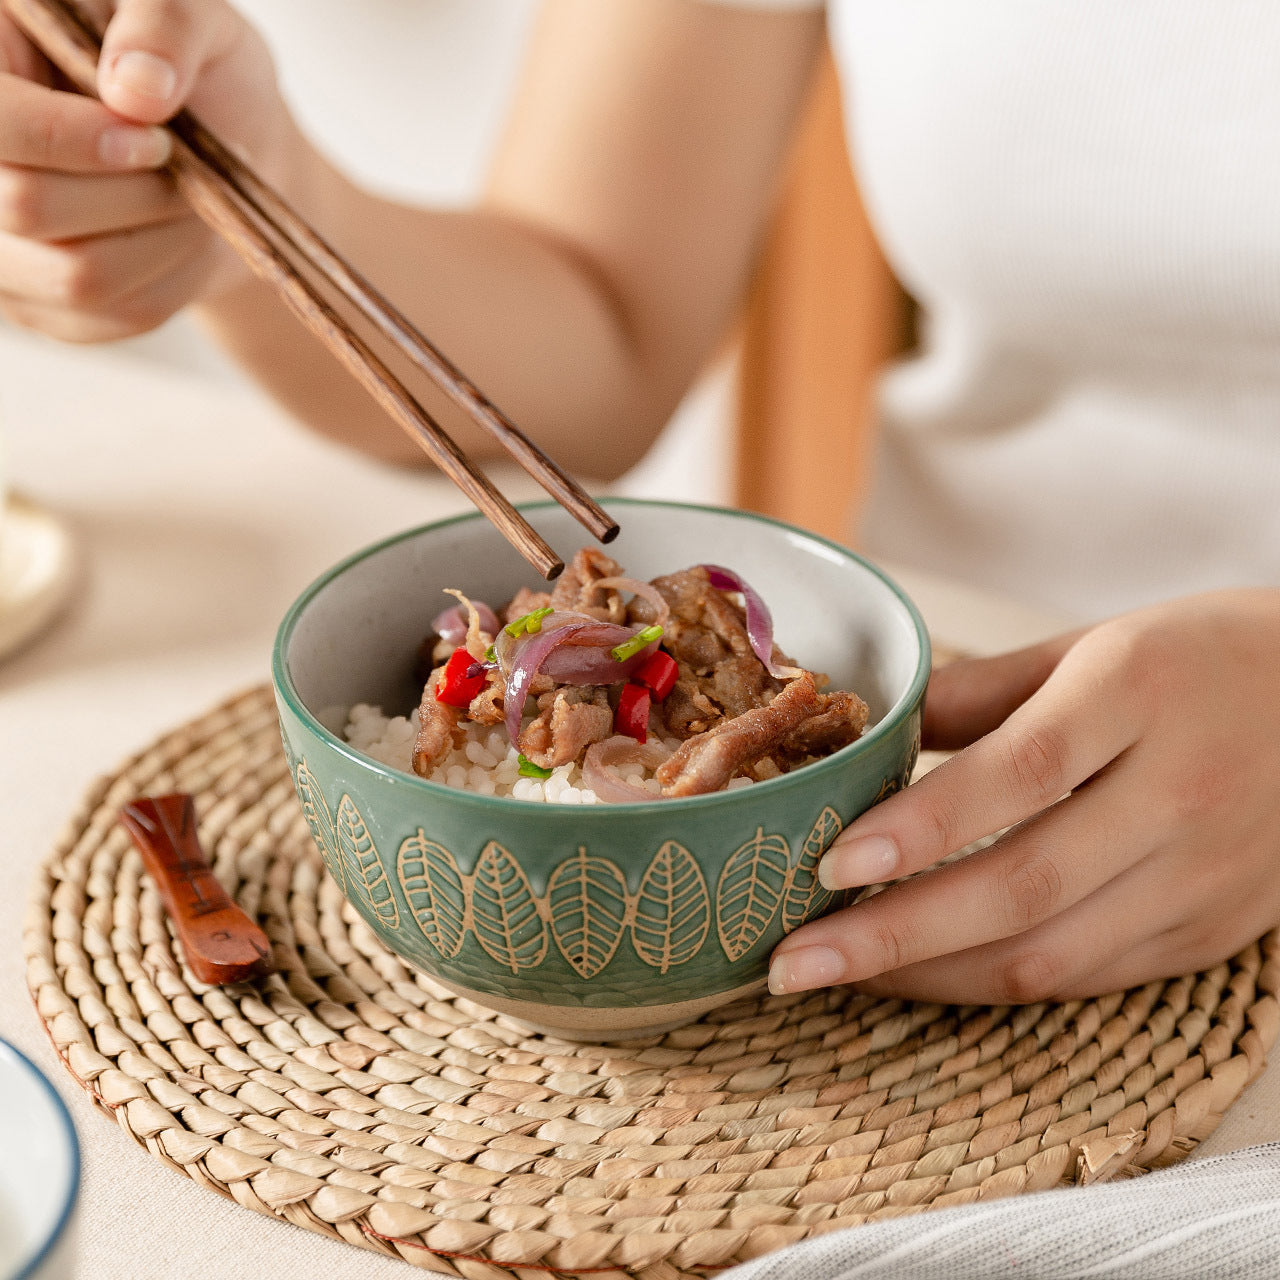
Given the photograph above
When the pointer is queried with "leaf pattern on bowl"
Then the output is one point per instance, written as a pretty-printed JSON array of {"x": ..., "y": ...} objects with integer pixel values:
[
  {"x": 749, "y": 890},
  {"x": 804, "y": 894},
  {"x": 320, "y": 820},
  {"x": 433, "y": 888},
  {"x": 672, "y": 913},
  {"x": 587, "y": 908},
  {"x": 504, "y": 911},
  {"x": 587, "y": 904},
  {"x": 365, "y": 873}
]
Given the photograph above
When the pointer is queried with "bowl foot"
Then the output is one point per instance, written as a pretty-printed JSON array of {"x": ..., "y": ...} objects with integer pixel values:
[{"x": 595, "y": 1026}]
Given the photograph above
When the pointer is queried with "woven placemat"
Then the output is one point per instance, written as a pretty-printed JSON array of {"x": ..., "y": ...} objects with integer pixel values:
[{"x": 356, "y": 1098}]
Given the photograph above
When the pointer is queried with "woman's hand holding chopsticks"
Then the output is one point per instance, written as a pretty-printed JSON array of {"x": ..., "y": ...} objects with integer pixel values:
[{"x": 95, "y": 244}]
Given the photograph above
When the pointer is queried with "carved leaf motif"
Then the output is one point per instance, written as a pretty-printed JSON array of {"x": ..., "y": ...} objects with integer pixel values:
[
  {"x": 749, "y": 890},
  {"x": 504, "y": 912},
  {"x": 673, "y": 909},
  {"x": 805, "y": 896},
  {"x": 366, "y": 877},
  {"x": 433, "y": 888},
  {"x": 587, "y": 898},
  {"x": 320, "y": 820}
]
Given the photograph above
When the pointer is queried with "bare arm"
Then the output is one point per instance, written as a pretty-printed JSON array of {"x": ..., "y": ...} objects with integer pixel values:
[{"x": 609, "y": 252}]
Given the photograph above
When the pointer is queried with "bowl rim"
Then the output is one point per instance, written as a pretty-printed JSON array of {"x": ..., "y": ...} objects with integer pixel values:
[
  {"x": 805, "y": 776},
  {"x": 36, "y": 1259}
]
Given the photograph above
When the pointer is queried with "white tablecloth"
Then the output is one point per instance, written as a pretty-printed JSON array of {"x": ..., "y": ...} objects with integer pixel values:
[{"x": 200, "y": 512}]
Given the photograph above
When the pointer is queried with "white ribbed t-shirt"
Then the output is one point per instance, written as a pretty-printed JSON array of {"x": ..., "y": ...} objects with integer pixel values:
[{"x": 1085, "y": 199}]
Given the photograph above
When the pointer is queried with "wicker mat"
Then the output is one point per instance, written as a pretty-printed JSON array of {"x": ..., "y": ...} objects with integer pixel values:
[{"x": 353, "y": 1097}]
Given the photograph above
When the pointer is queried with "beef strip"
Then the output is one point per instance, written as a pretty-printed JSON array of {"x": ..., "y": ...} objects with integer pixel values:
[
  {"x": 738, "y": 684},
  {"x": 439, "y": 730},
  {"x": 568, "y": 722},
  {"x": 525, "y": 601},
  {"x": 707, "y": 762},
  {"x": 720, "y": 676},
  {"x": 574, "y": 589},
  {"x": 686, "y": 709},
  {"x": 839, "y": 720},
  {"x": 487, "y": 706}
]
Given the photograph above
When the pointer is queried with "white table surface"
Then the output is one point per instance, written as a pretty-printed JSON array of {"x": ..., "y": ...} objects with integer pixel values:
[{"x": 200, "y": 511}]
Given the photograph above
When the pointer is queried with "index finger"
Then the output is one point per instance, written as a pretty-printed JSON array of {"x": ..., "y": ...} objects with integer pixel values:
[
  {"x": 1072, "y": 727},
  {"x": 43, "y": 128}
]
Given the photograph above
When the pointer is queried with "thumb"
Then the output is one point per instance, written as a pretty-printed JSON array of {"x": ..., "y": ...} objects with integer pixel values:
[
  {"x": 154, "y": 51},
  {"x": 969, "y": 698}
]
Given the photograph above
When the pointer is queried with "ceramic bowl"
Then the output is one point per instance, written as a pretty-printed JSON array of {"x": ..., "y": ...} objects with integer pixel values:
[
  {"x": 39, "y": 1173},
  {"x": 591, "y": 921}
]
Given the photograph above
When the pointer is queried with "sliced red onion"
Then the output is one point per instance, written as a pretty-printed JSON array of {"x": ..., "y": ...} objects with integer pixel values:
[
  {"x": 451, "y": 624},
  {"x": 615, "y": 751},
  {"x": 480, "y": 669},
  {"x": 589, "y": 663},
  {"x": 592, "y": 663},
  {"x": 759, "y": 619},
  {"x": 645, "y": 590}
]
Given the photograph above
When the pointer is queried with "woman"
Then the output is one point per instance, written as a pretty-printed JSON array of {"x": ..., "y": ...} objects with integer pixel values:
[{"x": 1072, "y": 195}]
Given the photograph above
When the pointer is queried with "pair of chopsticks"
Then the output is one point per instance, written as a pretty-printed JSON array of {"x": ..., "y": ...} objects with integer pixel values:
[{"x": 262, "y": 228}]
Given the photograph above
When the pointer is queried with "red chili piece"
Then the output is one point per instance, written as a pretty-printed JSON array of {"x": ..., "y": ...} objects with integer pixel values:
[
  {"x": 454, "y": 687},
  {"x": 659, "y": 672},
  {"x": 632, "y": 717}
]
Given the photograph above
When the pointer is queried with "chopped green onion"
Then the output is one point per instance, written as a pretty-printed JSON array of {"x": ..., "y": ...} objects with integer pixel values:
[
  {"x": 528, "y": 623},
  {"x": 490, "y": 655},
  {"x": 641, "y": 640},
  {"x": 528, "y": 769}
]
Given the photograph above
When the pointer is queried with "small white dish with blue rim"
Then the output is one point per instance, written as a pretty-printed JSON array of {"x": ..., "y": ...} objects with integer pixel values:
[{"x": 39, "y": 1173}]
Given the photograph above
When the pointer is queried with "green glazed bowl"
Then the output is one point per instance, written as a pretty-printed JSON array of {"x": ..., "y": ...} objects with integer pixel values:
[{"x": 597, "y": 921}]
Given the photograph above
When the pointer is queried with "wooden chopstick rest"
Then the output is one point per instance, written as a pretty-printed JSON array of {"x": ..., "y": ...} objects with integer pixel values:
[{"x": 221, "y": 944}]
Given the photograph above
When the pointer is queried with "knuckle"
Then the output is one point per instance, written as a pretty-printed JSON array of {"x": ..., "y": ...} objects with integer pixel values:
[
  {"x": 51, "y": 323},
  {"x": 171, "y": 14},
  {"x": 889, "y": 946},
  {"x": 171, "y": 23},
  {"x": 39, "y": 138},
  {"x": 1036, "y": 762},
  {"x": 22, "y": 203},
  {"x": 1032, "y": 888},
  {"x": 15, "y": 313},
  {"x": 1029, "y": 976},
  {"x": 81, "y": 279},
  {"x": 943, "y": 818},
  {"x": 134, "y": 319},
  {"x": 1146, "y": 660},
  {"x": 1203, "y": 787}
]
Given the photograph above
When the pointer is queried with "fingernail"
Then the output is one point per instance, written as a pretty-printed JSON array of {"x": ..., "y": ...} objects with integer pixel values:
[
  {"x": 144, "y": 74},
  {"x": 802, "y": 968},
  {"x": 864, "y": 861},
  {"x": 134, "y": 148}
]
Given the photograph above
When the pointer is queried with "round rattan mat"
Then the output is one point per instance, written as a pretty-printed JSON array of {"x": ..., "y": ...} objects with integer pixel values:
[{"x": 351, "y": 1096}]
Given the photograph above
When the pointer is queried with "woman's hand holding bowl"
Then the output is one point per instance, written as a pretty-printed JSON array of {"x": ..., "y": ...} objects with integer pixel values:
[{"x": 1135, "y": 764}]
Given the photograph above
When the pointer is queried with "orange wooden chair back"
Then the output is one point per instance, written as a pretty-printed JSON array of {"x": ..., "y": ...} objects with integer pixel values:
[{"x": 823, "y": 316}]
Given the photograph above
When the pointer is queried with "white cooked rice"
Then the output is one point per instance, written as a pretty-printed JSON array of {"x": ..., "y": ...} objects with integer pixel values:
[{"x": 485, "y": 762}]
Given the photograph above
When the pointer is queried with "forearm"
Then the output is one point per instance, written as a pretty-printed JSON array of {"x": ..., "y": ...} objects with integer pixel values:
[
  {"x": 614, "y": 242},
  {"x": 532, "y": 324}
]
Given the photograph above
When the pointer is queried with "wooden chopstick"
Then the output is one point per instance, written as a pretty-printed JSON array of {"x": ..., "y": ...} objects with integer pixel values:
[
  {"x": 394, "y": 326},
  {"x": 249, "y": 215}
]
